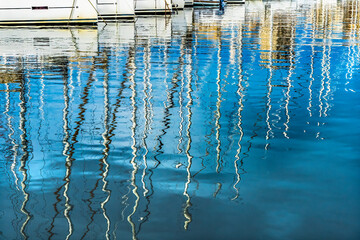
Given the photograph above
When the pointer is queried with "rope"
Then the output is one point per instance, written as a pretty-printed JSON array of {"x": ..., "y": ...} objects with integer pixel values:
[
  {"x": 167, "y": 6},
  {"x": 71, "y": 12}
]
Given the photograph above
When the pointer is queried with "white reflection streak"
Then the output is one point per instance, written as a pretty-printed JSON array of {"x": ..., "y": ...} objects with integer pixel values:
[
  {"x": 146, "y": 100},
  {"x": 232, "y": 48},
  {"x": 312, "y": 62},
  {"x": 24, "y": 157},
  {"x": 323, "y": 76},
  {"x": 218, "y": 113},
  {"x": 181, "y": 104},
  {"x": 240, "y": 92},
  {"x": 352, "y": 40},
  {"x": 134, "y": 153},
  {"x": 327, "y": 72},
  {"x": 12, "y": 131},
  {"x": 269, "y": 106},
  {"x": 187, "y": 215},
  {"x": 68, "y": 162},
  {"x": 41, "y": 108},
  {"x": 106, "y": 142},
  {"x": 288, "y": 80}
]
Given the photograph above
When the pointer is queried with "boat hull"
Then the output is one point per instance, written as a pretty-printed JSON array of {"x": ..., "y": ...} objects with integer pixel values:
[
  {"x": 153, "y": 7},
  {"x": 116, "y": 9},
  {"x": 23, "y": 12}
]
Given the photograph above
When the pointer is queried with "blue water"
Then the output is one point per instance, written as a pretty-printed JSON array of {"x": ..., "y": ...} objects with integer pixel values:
[{"x": 202, "y": 125}]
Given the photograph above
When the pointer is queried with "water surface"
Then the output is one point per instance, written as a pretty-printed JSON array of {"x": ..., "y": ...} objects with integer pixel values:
[{"x": 202, "y": 125}]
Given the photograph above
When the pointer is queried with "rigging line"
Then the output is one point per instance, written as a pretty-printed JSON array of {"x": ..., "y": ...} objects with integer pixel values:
[
  {"x": 97, "y": 12},
  {"x": 71, "y": 11}
]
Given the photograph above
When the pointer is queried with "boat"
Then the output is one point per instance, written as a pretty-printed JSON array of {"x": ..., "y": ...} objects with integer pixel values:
[
  {"x": 153, "y": 7},
  {"x": 178, "y": 4},
  {"x": 115, "y": 9},
  {"x": 19, "y": 12}
]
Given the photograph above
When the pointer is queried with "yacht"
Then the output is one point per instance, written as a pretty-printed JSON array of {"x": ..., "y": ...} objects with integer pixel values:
[{"x": 19, "y": 12}]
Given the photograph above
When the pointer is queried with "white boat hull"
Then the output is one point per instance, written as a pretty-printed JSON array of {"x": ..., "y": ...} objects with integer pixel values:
[
  {"x": 17, "y": 12},
  {"x": 116, "y": 9},
  {"x": 150, "y": 7}
]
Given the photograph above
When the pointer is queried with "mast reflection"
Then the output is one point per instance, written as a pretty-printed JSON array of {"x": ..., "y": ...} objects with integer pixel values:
[
  {"x": 173, "y": 115},
  {"x": 189, "y": 157},
  {"x": 134, "y": 153},
  {"x": 241, "y": 93},
  {"x": 26, "y": 150}
]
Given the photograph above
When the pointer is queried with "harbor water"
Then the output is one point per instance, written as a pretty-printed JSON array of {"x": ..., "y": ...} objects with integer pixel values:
[{"x": 241, "y": 124}]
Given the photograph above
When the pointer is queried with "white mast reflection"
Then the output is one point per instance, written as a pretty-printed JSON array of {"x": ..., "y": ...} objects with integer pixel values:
[
  {"x": 288, "y": 79},
  {"x": 188, "y": 204},
  {"x": 269, "y": 85},
  {"x": 147, "y": 112},
  {"x": 327, "y": 66},
  {"x": 134, "y": 153},
  {"x": 106, "y": 143},
  {"x": 68, "y": 162},
  {"x": 240, "y": 93},
  {"x": 312, "y": 79},
  {"x": 25, "y": 156},
  {"x": 15, "y": 146},
  {"x": 218, "y": 106}
]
